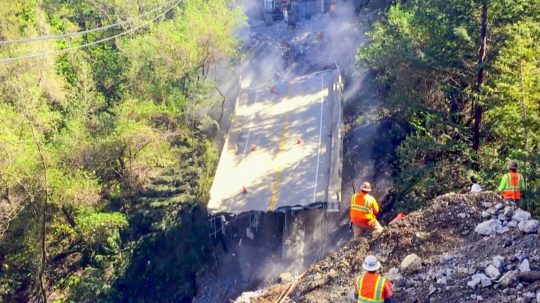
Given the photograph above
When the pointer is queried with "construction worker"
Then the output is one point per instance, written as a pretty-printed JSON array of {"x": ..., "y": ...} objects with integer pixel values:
[
  {"x": 332, "y": 8},
  {"x": 364, "y": 209},
  {"x": 512, "y": 184},
  {"x": 371, "y": 287},
  {"x": 475, "y": 187}
]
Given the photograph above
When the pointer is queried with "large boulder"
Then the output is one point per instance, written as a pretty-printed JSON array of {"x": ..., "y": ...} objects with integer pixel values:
[
  {"x": 502, "y": 229},
  {"x": 492, "y": 272},
  {"x": 412, "y": 263},
  {"x": 394, "y": 275},
  {"x": 524, "y": 266},
  {"x": 529, "y": 226},
  {"x": 487, "y": 228},
  {"x": 508, "y": 278},
  {"x": 498, "y": 262},
  {"x": 487, "y": 204},
  {"x": 521, "y": 215},
  {"x": 479, "y": 278},
  {"x": 508, "y": 211}
]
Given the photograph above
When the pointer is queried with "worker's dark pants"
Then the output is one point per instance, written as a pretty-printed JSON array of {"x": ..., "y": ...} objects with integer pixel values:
[{"x": 522, "y": 203}]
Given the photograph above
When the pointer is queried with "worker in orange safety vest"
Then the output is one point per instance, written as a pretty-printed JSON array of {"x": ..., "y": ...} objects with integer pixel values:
[
  {"x": 512, "y": 184},
  {"x": 364, "y": 210},
  {"x": 371, "y": 287}
]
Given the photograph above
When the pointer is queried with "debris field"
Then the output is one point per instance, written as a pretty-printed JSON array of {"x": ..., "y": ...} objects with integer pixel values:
[{"x": 461, "y": 248}]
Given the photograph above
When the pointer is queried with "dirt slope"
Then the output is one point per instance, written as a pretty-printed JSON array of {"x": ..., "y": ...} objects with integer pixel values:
[{"x": 455, "y": 259}]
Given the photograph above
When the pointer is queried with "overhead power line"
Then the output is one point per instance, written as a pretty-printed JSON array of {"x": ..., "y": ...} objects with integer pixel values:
[
  {"x": 71, "y": 34},
  {"x": 92, "y": 43}
]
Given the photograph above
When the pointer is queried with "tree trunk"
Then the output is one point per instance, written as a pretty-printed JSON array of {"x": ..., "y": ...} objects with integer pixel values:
[
  {"x": 41, "y": 274},
  {"x": 524, "y": 108},
  {"x": 525, "y": 123},
  {"x": 223, "y": 99},
  {"x": 478, "y": 110},
  {"x": 42, "y": 268}
]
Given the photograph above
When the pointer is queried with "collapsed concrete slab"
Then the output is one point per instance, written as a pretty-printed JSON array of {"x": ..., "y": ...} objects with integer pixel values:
[{"x": 296, "y": 128}]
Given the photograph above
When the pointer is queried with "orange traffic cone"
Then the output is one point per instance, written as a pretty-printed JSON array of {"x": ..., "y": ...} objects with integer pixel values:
[
  {"x": 273, "y": 90},
  {"x": 244, "y": 190},
  {"x": 253, "y": 147},
  {"x": 298, "y": 140}
]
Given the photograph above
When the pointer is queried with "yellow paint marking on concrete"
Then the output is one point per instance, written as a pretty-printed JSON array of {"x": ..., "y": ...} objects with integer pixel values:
[{"x": 282, "y": 144}]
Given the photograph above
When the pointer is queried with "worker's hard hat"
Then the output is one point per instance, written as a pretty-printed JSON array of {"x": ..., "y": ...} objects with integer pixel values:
[
  {"x": 513, "y": 165},
  {"x": 371, "y": 263},
  {"x": 476, "y": 188},
  {"x": 366, "y": 187}
]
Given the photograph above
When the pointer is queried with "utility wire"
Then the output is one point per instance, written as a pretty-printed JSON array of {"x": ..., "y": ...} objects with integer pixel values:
[
  {"x": 71, "y": 34},
  {"x": 92, "y": 43}
]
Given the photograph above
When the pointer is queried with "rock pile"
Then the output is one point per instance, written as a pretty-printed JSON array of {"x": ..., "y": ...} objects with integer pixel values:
[
  {"x": 500, "y": 264},
  {"x": 461, "y": 248}
]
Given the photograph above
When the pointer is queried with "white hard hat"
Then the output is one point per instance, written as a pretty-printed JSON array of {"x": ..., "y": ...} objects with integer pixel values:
[
  {"x": 366, "y": 186},
  {"x": 371, "y": 263},
  {"x": 476, "y": 188}
]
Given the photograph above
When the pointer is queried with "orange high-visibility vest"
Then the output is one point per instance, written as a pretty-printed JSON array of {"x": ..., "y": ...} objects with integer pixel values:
[
  {"x": 361, "y": 207},
  {"x": 512, "y": 189},
  {"x": 370, "y": 288}
]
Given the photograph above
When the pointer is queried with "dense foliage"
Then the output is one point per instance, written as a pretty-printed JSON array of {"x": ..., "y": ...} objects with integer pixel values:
[
  {"x": 463, "y": 90},
  {"x": 104, "y": 164}
]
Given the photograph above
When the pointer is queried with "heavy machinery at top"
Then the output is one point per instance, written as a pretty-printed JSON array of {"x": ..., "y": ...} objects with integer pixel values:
[{"x": 293, "y": 10}]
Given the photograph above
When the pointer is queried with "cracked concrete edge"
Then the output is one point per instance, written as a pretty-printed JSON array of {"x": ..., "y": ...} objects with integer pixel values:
[
  {"x": 226, "y": 142},
  {"x": 336, "y": 166}
]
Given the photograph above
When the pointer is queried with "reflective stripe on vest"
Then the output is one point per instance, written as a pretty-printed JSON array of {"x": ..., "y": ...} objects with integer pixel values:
[
  {"x": 512, "y": 189},
  {"x": 375, "y": 294},
  {"x": 363, "y": 208}
]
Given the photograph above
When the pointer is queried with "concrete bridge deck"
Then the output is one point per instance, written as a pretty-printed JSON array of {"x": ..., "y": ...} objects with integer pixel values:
[{"x": 283, "y": 149}]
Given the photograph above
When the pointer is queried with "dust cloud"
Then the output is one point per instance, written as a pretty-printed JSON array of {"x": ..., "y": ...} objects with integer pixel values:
[{"x": 259, "y": 249}]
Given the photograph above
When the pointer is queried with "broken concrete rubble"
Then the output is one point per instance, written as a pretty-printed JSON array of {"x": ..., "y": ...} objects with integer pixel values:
[
  {"x": 454, "y": 268},
  {"x": 521, "y": 215},
  {"x": 487, "y": 228},
  {"x": 481, "y": 279},
  {"x": 502, "y": 229},
  {"x": 508, "y": 211},
  {"x": 444, "y": 259},
  {"x": 394, "y": 275},
  {"x": 412, "y": 263},
  {"x": 492, "y": 272},
  {"x": 492, "y": 211},
  {"x": 441, "y": 281},
  {"x": 498, "y": 262},
  {"x": 508, "y": 278},
  {"x": 487, "y": 204},
  {"x": 524, "y": 266},
  {"x": 529, "y": 226}
]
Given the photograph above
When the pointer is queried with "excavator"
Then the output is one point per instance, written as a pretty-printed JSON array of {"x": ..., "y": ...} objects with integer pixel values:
[{"x": 291, "y": 11}]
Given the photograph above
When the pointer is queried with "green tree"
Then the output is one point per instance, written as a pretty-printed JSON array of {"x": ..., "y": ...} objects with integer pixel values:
[
  {"x": 101, "y": 150},
  {"x": 443, "y": 67}
]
